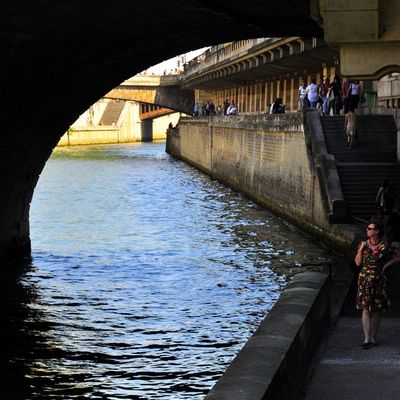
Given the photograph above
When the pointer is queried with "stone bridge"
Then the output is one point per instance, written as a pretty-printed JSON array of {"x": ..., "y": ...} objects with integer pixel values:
[
  {"x": 161, "y": 90},
  {"x": 61, "y": 57}
]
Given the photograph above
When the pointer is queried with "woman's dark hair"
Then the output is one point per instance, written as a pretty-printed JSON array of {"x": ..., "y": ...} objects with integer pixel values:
[{"x": 378, "y": 225}]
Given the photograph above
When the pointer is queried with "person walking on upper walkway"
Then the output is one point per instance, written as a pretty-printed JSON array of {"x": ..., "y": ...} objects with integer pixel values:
[
  {"x": 336, "y": 96},
  {"x": 312, "y": 93},
  {"x": 302, "y": 95},
  {"x": 196, "y": 110}
]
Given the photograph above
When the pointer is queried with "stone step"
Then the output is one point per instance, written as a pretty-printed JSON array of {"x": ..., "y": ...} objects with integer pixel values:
[
  {"x": 366, "y": 157},
  {"x": 373, "y": 158}
]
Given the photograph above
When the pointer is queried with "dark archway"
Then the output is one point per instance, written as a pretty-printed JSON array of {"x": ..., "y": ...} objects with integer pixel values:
[{"x": 60, "y": 57}]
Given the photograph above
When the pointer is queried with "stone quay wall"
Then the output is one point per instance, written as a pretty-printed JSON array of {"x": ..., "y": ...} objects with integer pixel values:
[{"x": 268, "y": 158}]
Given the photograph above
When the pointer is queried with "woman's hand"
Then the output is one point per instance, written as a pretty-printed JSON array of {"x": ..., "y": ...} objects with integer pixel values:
[
  {"x": 358, "y": 258},
  {"x": 361, "y": 246}
]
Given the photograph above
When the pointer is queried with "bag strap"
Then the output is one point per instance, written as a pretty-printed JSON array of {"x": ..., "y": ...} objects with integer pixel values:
[{"x": 349, "y": 91}]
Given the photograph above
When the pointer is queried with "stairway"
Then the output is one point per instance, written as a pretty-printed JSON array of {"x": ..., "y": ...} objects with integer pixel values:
[
  {"x": 112, "y": 112},
  {"x": 372, "y": 159}
]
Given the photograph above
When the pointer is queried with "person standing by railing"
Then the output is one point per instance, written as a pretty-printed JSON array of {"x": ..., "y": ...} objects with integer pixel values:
[
  {"x": 336, "y": 95},
  {"x": 312, "y": 93},
  {"x": 302, "y": 95},
  {"x": 354, "y": 95},
  {"x": 226, "y": 106},
  {"x": 277, "y": 106},
  {"x": 196, "y": 110},
  {"x": 323, "y": 93},
  {"x": 232, "y": 109}
]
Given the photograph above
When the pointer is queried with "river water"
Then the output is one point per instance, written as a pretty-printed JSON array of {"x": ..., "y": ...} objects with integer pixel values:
[{"x": 146, "y": 278}]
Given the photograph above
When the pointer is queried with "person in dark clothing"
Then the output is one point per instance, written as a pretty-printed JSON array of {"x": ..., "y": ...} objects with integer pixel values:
[
  {"x": 226, "y": 105},
  {"x": 336, "y": 89},
  {"x": 278, "y": 107}
]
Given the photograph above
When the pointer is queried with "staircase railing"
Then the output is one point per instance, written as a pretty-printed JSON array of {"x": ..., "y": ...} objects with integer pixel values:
[{"x": 326, "y": 168}]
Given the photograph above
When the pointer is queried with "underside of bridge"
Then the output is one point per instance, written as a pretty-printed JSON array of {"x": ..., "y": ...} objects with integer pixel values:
[
  {"x": 61, "y": 57},
  {"x": 58, "y": 58}
]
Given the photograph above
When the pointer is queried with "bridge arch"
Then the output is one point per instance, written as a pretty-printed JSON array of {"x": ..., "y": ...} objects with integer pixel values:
[
  {"x": 387, "y": 69},
  {"x": 163, "y": 91},
  {"x": 59, "y": 58}
]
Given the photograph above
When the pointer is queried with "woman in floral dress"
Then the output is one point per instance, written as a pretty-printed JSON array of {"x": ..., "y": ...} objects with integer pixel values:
[{"x": 373, "y": 256}]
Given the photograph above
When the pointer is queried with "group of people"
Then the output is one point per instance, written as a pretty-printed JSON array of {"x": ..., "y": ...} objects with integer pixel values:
[
  {"x": 330, "y": 96},
  {"x": 374, "y": 255},
  {"x": 208, "y": 108}
]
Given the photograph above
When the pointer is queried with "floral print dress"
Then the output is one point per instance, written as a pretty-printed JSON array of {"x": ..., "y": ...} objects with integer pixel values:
[{"x": 372, "y": 285}]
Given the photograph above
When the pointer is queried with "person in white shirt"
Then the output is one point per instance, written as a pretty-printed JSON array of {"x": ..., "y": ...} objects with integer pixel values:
[
  {"x": 302, "y": 95},
  {"x": 232, "y": 110},
  {"x": 312, "y": 93},
  {"x": 354, "y": 95}
]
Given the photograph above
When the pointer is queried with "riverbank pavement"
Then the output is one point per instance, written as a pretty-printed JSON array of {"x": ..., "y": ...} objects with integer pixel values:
[{"x": 343, "y": 370}]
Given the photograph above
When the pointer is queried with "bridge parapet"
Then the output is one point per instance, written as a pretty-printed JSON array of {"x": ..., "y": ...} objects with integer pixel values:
[
  {"x": 152, "y": 80},
  {"x": 221, "y": 53},
  {"x": 268, "y": 122},
  {"x": 257, "y": 60}
]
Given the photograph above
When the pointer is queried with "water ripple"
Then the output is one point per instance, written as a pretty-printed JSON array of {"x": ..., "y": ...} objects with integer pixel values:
[{"x": 147, "y": 278}]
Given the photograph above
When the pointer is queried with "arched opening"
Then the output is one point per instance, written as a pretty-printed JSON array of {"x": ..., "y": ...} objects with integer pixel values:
[
  {"x": 388, "y": 90},
  {"x": 62, "y": 59}
]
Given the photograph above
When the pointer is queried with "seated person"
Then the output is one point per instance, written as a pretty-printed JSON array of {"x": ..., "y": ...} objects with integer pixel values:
[{"x": 277, "y": 106}]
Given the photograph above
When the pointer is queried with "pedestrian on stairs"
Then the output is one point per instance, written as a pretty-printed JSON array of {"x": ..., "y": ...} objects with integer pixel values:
[{"x": 350, "y": 123}]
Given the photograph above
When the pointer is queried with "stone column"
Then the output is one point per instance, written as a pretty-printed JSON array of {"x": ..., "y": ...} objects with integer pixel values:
[{"x": 146, "y": 130}]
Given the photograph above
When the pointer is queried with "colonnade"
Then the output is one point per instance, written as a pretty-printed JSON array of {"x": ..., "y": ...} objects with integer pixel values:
[{"x": 255, "y": 97}]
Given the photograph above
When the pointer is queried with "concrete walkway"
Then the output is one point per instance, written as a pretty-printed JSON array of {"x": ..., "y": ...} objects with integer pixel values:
[{"x": 346, "y": 371}]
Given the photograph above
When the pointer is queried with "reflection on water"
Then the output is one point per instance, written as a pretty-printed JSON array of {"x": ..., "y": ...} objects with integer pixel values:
[{"x": 146, "y": 278}]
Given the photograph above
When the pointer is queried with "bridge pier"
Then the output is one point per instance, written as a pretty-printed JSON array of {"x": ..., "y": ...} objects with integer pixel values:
[
  {"x": 20, "y": 175},
  {"x": 146, "y": 130}
]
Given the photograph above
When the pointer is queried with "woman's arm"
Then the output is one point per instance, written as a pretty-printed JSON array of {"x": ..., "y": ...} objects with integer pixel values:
[{"x": 358, "y": 257}]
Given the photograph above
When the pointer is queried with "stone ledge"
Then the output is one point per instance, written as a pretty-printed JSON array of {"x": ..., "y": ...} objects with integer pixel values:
[{"x": 274, "y": 363}]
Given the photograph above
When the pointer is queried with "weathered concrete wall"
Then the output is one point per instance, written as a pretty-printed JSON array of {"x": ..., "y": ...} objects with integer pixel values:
[
  {"x": 126, "y": 130},
  {"x": 268, "y": 159},
  {"x": 195, "y": 144},
  {"x": 91, "y": 135}
]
